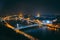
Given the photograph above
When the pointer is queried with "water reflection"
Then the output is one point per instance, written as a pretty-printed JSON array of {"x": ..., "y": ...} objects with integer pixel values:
[{"x": 44, "y": 33}]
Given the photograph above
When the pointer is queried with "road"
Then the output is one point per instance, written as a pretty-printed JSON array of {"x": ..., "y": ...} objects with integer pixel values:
[{"x": 40, "y": 33}]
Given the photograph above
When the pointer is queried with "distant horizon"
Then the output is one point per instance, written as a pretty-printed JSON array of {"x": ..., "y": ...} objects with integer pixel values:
[{"x": 10, "y": 7}]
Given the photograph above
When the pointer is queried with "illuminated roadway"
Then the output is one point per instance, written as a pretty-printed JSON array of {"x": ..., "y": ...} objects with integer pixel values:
[
  {"x": 18, "y": 31},
  {"x": 50, "y": 26}
]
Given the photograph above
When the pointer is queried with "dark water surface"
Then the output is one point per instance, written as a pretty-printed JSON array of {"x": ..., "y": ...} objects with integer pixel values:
[{"x": 40, "y": 33}]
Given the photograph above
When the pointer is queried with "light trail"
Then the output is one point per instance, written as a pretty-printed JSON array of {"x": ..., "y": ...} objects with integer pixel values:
[
  {"x": 29, "y": 26},
  {"x": 19, "y": 31},
  {"x": 50, "y": 27}
]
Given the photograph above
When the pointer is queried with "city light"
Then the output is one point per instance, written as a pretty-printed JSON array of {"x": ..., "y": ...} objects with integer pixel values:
[
  {"x": 38, "y": 15},
  {"x": 29, "y": 20},
  {"x": 20, "y": 32},
  {"x": 25, "y": 23}
]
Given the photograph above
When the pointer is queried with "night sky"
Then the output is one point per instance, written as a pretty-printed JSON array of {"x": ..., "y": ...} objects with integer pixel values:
[{"x": 44, "y": 7}]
